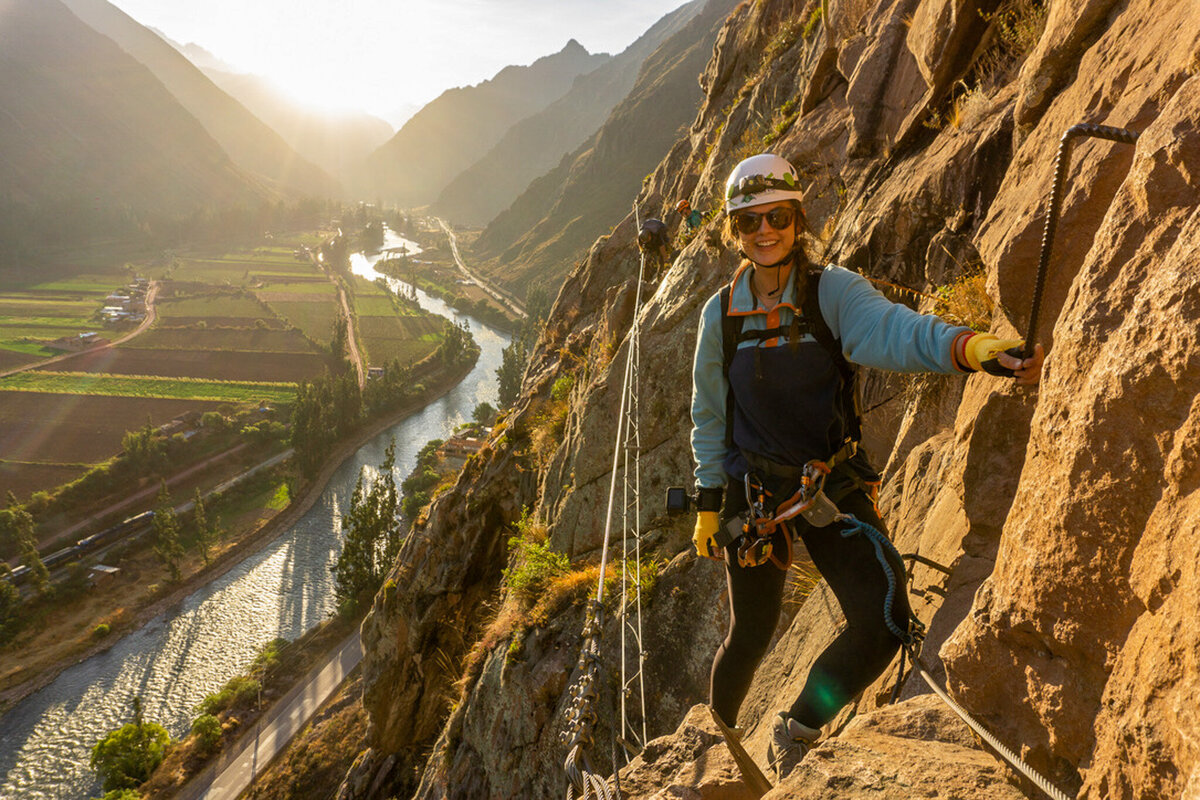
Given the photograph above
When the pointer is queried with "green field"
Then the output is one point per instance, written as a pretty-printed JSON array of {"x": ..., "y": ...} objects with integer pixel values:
[
  {"x": 248, "y": 340},
  {"x": 315, "y": 318},
  {"x": 86, "y": 284},
  {"x": 205, "y": 306},
  {"x": 39, "y": 313},
  {"x": 390, "y": 331},
  {"x": 241, "y": 268},
  {"x": 296, "y": 290},
  {"x": 13, "y": 335},
  {"x": 147, "y": 386}
]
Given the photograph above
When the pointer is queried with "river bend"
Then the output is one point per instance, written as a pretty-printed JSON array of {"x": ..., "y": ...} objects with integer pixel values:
[{"x": 193, "y": 648}]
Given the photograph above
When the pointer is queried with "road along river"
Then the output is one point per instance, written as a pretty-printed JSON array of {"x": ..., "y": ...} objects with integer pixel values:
[{"x": 192, "y": 649}]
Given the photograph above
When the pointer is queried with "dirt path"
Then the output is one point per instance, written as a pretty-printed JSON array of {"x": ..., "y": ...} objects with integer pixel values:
[
  {"x": 151, "y": 294},
  {"x": 351, "y": 340},
  {"x": 498, "y": 294}
]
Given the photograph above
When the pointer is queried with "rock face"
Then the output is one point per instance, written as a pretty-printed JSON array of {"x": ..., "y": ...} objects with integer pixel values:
[
  {"x": 1085, "y": 610},
  {"x": 1059, "y": 526}
]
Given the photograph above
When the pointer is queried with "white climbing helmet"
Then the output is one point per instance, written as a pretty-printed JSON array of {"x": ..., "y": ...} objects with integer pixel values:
[{"x": 764, "y": 178}]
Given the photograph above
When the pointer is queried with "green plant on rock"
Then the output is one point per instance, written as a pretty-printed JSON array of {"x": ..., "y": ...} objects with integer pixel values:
[
  {"x": 533, "y": 563},
  {"x": 814, "y": 19}
]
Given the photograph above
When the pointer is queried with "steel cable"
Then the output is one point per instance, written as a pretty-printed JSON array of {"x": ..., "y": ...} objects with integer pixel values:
[{"x": 582, "y": 782}]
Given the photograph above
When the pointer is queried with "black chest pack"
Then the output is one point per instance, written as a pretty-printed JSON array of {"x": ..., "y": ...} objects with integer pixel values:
[
  {"x": 809, "y": 322},
  {"x": 755, "y": 529}
]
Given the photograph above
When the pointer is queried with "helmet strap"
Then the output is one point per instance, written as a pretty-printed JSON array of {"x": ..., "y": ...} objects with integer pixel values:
[{"x": 789, "y": 258}]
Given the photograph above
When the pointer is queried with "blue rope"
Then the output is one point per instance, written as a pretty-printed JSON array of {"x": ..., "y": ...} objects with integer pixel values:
[{"x": 883, "y": 545}]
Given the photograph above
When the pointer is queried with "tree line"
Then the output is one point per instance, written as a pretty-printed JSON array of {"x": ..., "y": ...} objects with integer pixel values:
[{"x": 329, "y": 408}]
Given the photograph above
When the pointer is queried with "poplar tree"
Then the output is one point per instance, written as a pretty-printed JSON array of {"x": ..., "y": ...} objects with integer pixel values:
[
  {"x": 166, "y": 532},
  {"x": 17, "y": 531},
  {"x": 206, "y": 533},
  {"x": 370, "y": 537}
]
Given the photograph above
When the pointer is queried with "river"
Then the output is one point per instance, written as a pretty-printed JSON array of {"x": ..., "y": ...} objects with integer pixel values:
[{"x": 193, "y": 648}]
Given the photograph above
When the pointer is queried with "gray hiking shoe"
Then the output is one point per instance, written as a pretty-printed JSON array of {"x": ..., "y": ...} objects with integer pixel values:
[{"x": 790, "y": 741}]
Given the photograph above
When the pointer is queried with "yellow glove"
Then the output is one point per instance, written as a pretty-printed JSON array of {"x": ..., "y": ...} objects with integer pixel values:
[
  {"x": 981, "y": 349},
  {"x": 707, "y": 525}
]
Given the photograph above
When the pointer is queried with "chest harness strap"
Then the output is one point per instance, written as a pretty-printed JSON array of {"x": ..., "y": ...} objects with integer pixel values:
[{"x": 758, "y": 524}]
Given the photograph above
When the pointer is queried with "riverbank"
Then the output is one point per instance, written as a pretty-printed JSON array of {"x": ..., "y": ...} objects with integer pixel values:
[
  {"x": 252, "y": 722},
  {"x": 42, "y": 672}
]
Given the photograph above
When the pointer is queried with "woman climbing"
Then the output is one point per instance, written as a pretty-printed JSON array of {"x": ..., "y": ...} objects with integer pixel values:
[{"x": 772, "y": 407}]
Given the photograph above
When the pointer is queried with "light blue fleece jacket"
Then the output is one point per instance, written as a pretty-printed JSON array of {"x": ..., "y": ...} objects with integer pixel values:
[{"x": 872, "y": 330}]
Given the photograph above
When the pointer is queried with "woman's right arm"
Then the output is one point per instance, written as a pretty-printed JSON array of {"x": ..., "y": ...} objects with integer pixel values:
[{"x": 709, "y": 392}]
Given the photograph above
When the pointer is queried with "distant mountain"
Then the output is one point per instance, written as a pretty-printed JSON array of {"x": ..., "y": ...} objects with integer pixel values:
[
  {"x": 537, "y": 143},
  {"x": 86, "y": 126},
  {"x": 536, "y": 241},
  {"x": 336, "y": 141},
  {"x": 197, "y": 55},
  {"x": 248, "y": 140},
  {"x": 462, "y": 124}
]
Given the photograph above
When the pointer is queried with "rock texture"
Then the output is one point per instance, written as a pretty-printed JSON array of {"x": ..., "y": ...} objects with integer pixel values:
[
  {"x": 1061, "y": 523},
  {"x": 914, "y": 749},
  {"x": 1084, "y": 605}
]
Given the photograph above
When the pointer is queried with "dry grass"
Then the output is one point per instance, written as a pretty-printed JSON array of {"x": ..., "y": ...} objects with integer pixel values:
[
  {"x": 546, "y": 431},
  {"x": 965, "y": 301},
  {"x": 801, "y": 579},
  {"x": 315, "y": 763}
]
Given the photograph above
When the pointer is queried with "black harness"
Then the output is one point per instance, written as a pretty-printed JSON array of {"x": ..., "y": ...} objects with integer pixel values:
[{"x": 810, "y": 322}]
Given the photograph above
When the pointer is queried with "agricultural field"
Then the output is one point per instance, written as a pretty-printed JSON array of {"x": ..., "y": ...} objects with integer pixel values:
[
  {"x": 147, "y": 386},
  {"x": 231, "y": 328},
  {"x": 389, "y": 329},
  {"x": 47, "y": 438},
  {"x": 237, "y": 310},
  {"x": 33, "y": 316},
  {"x": 315, "y": 318},
  {"x": 214, "y": 344},
  {"x": 252, "y": 339}
]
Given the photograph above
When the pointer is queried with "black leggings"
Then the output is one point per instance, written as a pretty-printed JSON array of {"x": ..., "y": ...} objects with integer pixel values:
[{"x": 854, "y": 659}]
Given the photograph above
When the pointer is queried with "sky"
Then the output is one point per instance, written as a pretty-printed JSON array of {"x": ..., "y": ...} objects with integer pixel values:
[{"x": 389, "y": 57}]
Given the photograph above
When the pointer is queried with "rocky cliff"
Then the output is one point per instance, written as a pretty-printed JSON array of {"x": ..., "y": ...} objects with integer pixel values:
[{"x": 1067, "y": 517}]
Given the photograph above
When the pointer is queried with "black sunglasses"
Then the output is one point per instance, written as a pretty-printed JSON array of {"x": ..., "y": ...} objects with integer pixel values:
[{"x": 748, "y": 222}]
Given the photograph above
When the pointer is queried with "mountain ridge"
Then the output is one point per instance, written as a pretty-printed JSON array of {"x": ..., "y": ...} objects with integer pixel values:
[
  {"x": 460, "y": 125},
  {"x": 536, "y": 144},
  {"x": 97, "y": 126},
  {"x": 250, "y": 142},
  {"x": 537, "y": 240}
]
